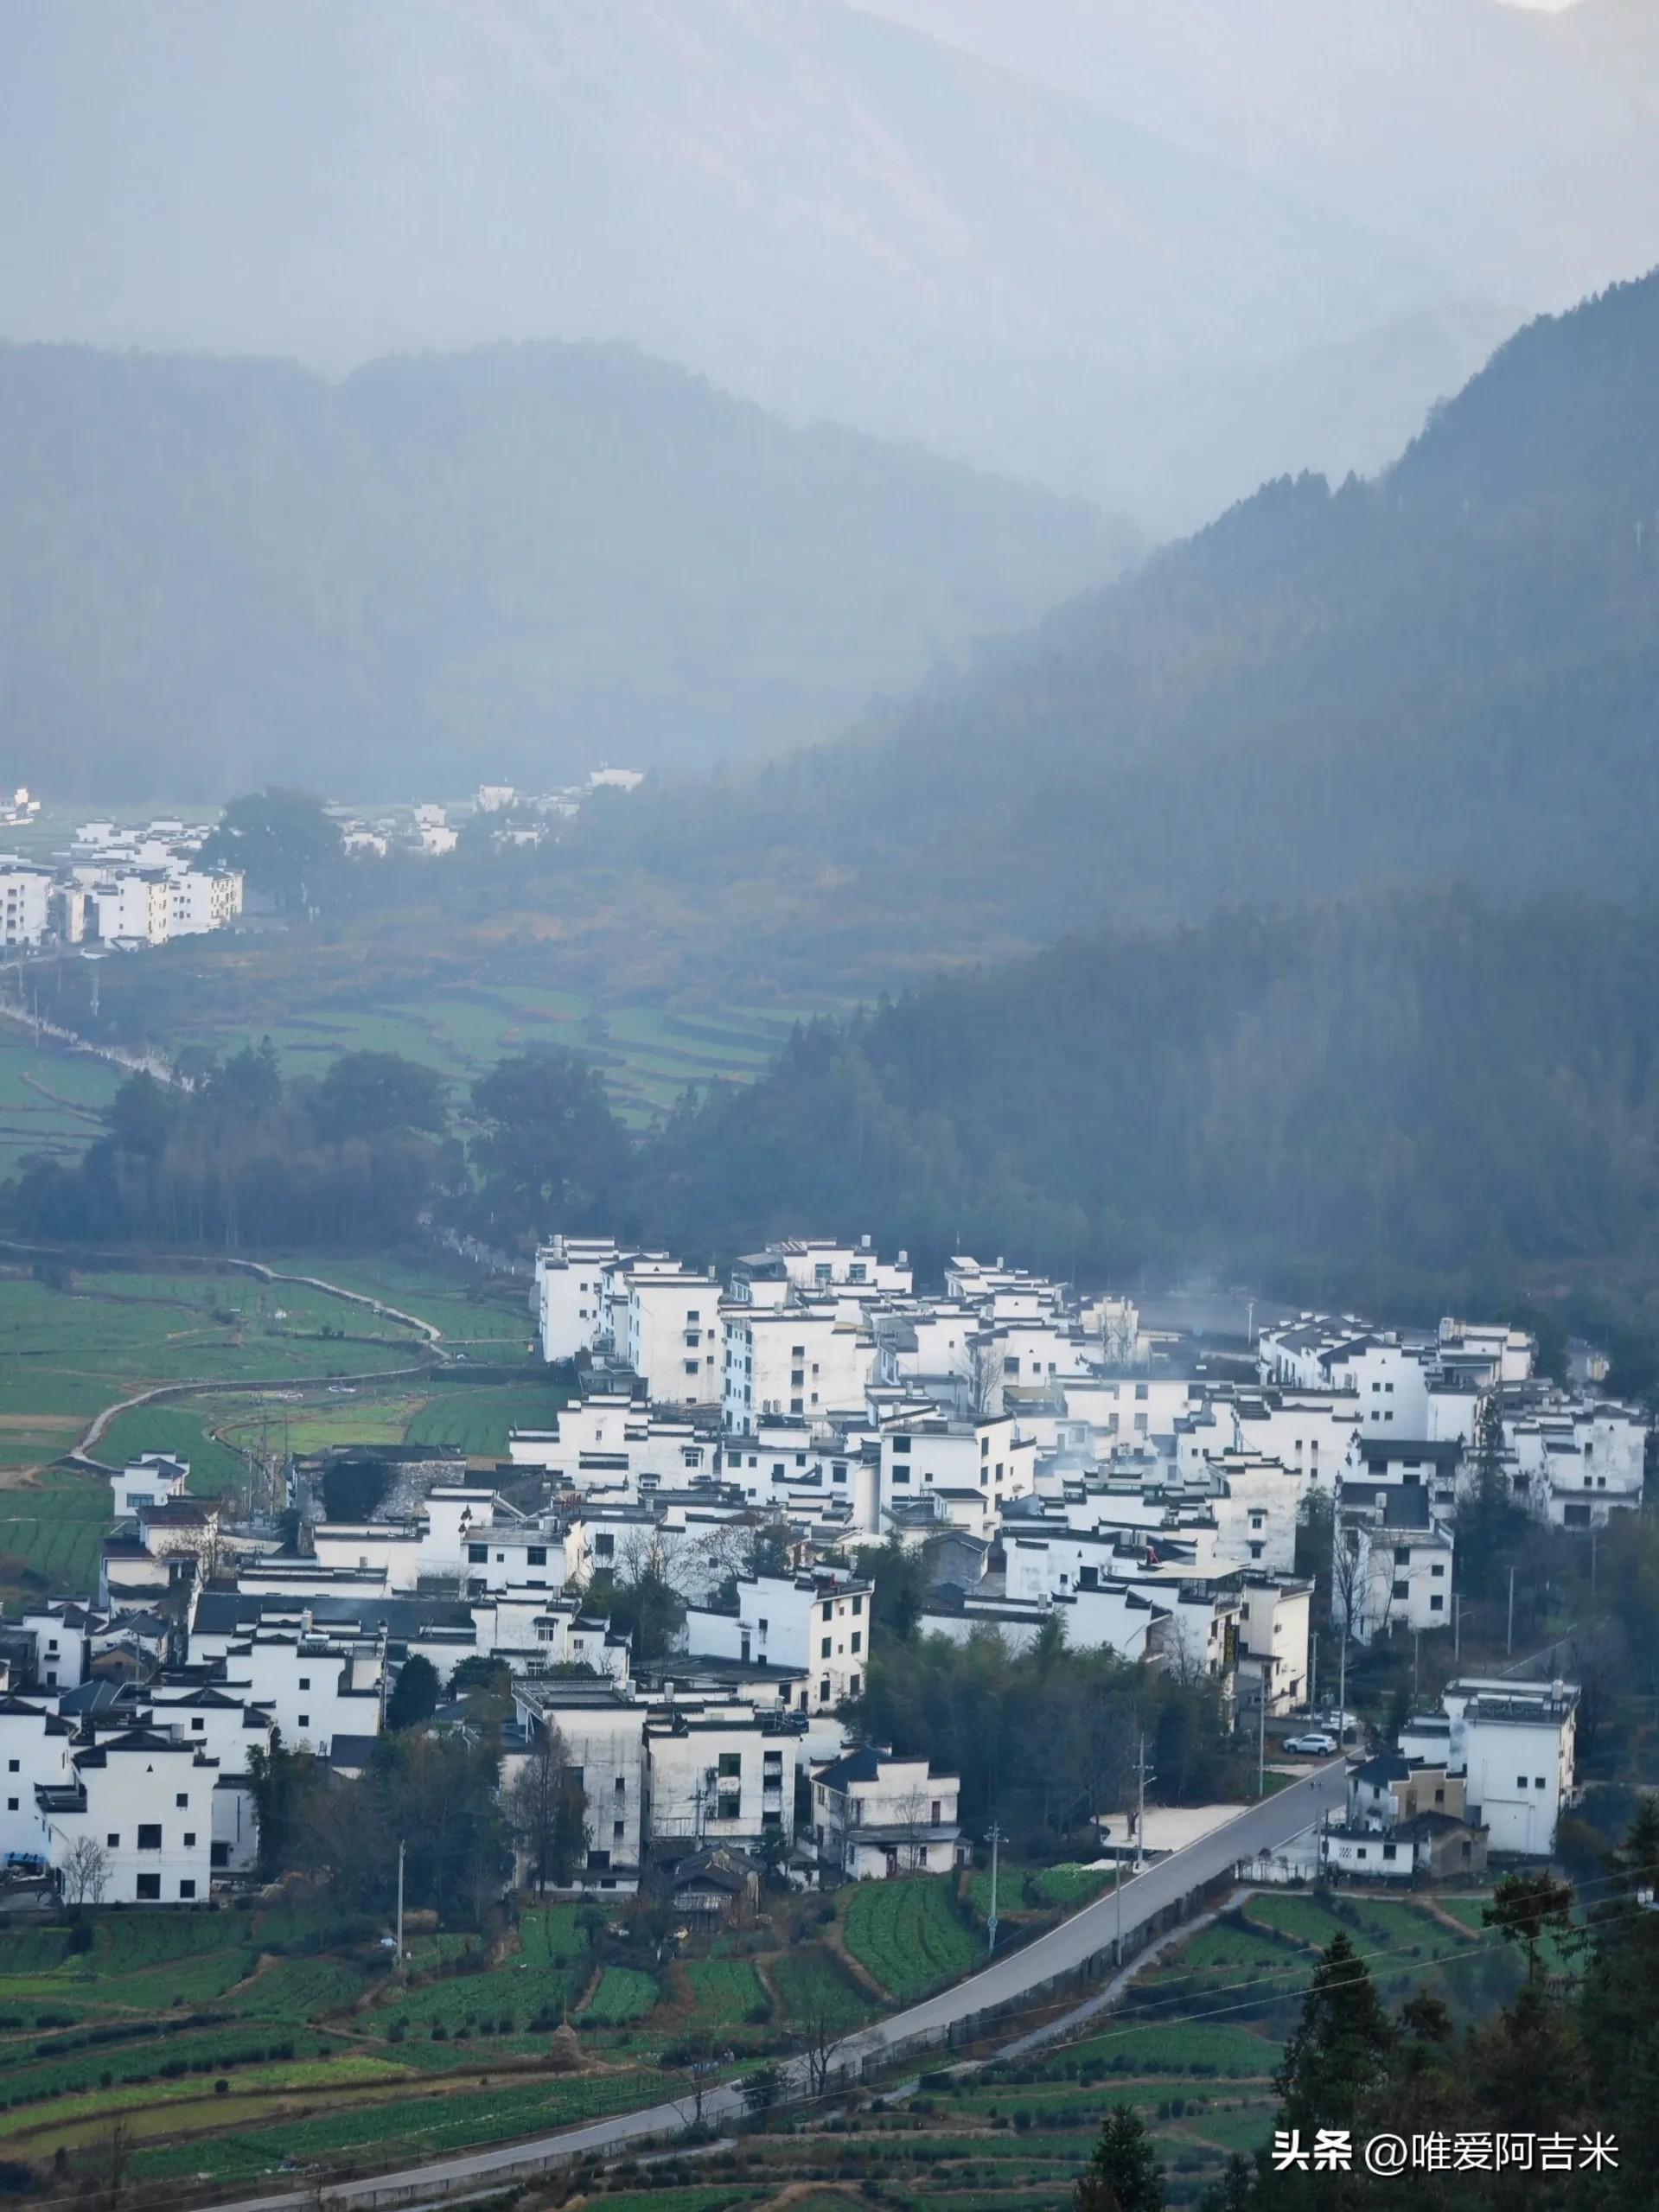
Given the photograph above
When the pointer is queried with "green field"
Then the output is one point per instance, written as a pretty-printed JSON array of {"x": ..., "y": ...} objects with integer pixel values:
[
  {"x": 624, "y": 1994},
  {"x": 723, "y": 1992},
  {"x": 50, "y": 1099},
  {"x": 906, "y": 1932},
  {"x": 230, "y": 2061},
  {"x": 649, "y": 1052},
  {"x": 73, "y": 1342},
  {"x": 475, "y": 1418},
  {"x": 1022, "y": 1889},
  {"x": 813, "y": 1986}
]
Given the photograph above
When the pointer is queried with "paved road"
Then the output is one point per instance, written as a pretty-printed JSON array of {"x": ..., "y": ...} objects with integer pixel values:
[{"x": 1262, "y": 1828}]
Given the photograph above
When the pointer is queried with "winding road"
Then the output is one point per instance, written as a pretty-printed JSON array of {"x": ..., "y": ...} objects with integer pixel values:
[{"x": 1087, "y": 1935}]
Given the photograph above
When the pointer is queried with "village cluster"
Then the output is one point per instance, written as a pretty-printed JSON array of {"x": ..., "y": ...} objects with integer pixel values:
[
  {"x": 137, "y": 884},
  {"x": 1054, "y": 1465},
  {"x": 511, "y": 817},
  {"x": 118, "y": 886}
]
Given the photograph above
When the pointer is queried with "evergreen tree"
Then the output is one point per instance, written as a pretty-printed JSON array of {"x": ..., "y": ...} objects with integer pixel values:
[
  {"x": 1524, "y": 1906},
  {"x": 1123, "y": 2175},
  {"x": 1618, "y": 2010},
  {"x": 1234, "y": 2192},
  {"x": 1340, "y": 2048},
  {"x": 414, "y": 1694}
]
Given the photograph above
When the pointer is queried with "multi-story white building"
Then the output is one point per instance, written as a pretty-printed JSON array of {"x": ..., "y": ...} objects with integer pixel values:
[
  {"x": 1515, "y": 1744},
  {"x": 142, "y": 1802},
  {"x": 135, "y": 909},
  {"x": 315, "y": 1687},
  {"x": 152, "y": 1479},
  {"x": 35, "y": 1748},
  {"x": 570, "y": 1294},
  {"x": 603, "y": 1730},
  {"x": 1274, "y": 1621},
  {"x": 25, "y": 899},
  {"x": 819, "y": 1622},
  {"x": 799, "y": 1361},
  {"x": 1392, "y": 1564},
  {"x": 876, "y": 1815},
  {"x": 990, "y": 1460},
  {"x": 673, "y": 1339},
  {"x": 201, "y": 899},
  {"x": 717, "y": 1771}
]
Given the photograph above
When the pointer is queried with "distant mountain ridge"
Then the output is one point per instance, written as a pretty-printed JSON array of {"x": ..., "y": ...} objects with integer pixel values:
[
  {"x": 1452, "y": 671},
  {"x": 506, "y": 566},
  {"x": 823, "y": 210}
]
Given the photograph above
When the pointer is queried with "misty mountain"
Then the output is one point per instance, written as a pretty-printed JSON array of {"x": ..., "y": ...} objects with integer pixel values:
[
  {"x": 825, "y": 211},
  {"x": 1516, "y": 147},
  {"x": 1454, "y": 671},
  {"x": 509, "y": 564},
  {"x": 1425, "y": 1097}
]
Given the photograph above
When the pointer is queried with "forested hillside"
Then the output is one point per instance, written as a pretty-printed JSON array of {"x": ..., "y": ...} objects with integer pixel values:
[
  {"x": 1408, "y": 1096},
  {"x": 1419, "y": 1097},
  {"x": 506, "y": 566},
  {"x": 1452, "y": 671}
]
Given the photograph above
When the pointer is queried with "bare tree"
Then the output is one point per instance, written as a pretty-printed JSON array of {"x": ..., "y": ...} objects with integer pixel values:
[
  {"x": 114, "y": 2159},
  {"x": 914, "y": 1823},
  {"x": 86, "y": 1872},
  {"x": 1350, "y": 1568},
  {"x": 980, "y": 1369},
  {"x": 821, "y": 2037},
  {"x": 546, "y": 1809}
]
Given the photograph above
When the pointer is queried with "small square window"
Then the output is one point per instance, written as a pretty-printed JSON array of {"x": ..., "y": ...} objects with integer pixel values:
[
  {"x": 187, "y": 1888},
  {"x": 182, "y": 1801},
  {"x": 150, "y": 1889}
]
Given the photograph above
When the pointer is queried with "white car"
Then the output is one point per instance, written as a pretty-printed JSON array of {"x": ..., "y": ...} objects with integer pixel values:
[{"x": 1312, "y": 1747}]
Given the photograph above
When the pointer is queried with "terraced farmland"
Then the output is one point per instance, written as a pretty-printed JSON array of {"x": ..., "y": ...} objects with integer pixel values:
[{"x": 907, "y": 1932}]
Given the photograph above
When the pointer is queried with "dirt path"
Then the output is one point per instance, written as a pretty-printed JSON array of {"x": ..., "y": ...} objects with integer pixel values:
[
  {"x": 86, "y": 1113},
  {"x": 429, "y": 1332},
  {"x": 81, "y": 1455}
]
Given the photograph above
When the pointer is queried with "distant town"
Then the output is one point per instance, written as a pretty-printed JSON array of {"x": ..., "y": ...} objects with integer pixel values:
[{"x": 127, "y": 885}]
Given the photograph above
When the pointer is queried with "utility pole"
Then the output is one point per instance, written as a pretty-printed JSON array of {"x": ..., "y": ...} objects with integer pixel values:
[
  {"x": 400, "y": 1903},
  {"x": 1117, "y": 1887},
  {"x": 1509, "y": 1639},
  {"x": 1457, "y": 1627},
  {"x": 1592, "y": 1565},
  {"x": 1341, "y": 1689},
  {"x": 991, "y": 1917},
  {"x": 1314, "y": 1673},
  {"x": 1416, "y": 1655},
  {"x": 1262, "y": 1732},
  {"x": 1142, "y": 1775}
]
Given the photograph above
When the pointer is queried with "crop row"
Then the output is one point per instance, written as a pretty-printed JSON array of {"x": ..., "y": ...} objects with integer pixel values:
[{"x": 908, "y": 1934}]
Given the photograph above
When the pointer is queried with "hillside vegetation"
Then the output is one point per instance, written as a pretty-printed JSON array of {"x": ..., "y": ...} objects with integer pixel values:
[
  {"x": 1418, "y": 1089},
  {"x": 1450, "y": 672},
  {"x": 505, "y": 565}
]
